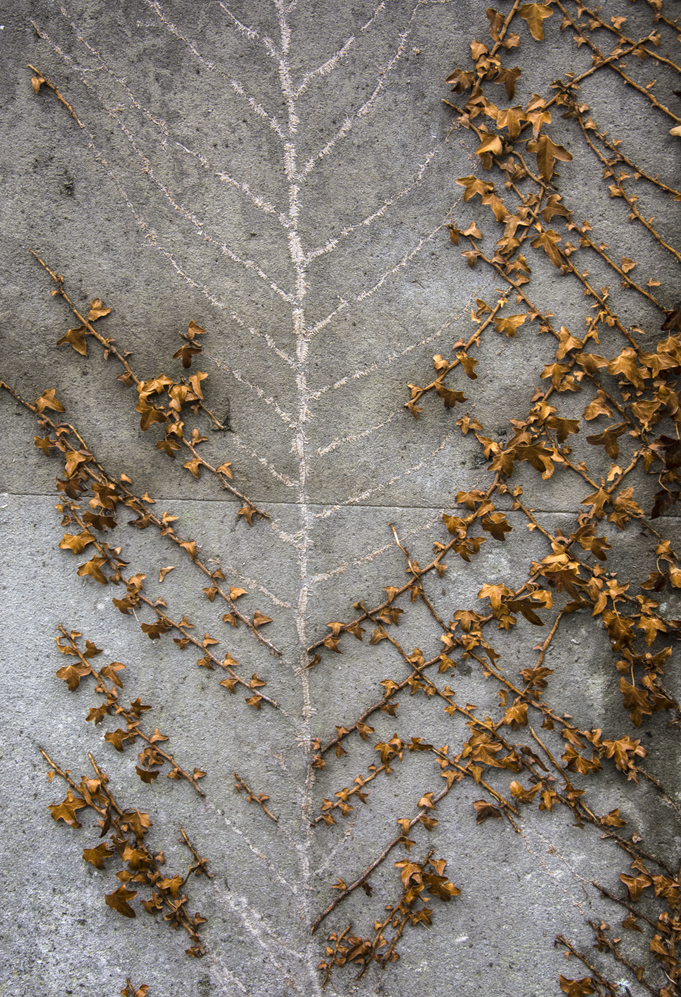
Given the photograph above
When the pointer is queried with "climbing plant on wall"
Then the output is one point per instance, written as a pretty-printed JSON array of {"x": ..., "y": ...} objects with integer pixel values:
[{"x": 603, "y": 417}]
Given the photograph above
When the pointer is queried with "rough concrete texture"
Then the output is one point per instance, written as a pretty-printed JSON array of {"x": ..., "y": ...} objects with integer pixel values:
[{"x": 283, "y": 174}]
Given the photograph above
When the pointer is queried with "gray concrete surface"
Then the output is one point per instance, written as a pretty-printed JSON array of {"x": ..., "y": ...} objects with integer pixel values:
[{"x": 283, "y": 175}]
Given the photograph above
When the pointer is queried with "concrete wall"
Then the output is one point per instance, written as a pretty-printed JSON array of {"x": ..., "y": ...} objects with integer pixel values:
[{"x": 284, "y": 175}]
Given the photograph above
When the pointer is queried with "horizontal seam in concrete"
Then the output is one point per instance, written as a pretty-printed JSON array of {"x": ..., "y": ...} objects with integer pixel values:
[{"x": 325, "y": 505}]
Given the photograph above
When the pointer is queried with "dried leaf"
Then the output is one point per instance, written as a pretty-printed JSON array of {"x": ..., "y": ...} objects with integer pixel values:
[{"x": 118, "y": 901}]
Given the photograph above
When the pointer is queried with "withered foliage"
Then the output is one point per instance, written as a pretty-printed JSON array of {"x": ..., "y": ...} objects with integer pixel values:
[
  {"x": 108, "y": 683},
  {"x": 131, "y": 991},
  {"x": 91, "y": 499},
  {"x": 527, "y": 752},
  {"x": 631, "y": 389},
  {"x": 124, "y": 833}
]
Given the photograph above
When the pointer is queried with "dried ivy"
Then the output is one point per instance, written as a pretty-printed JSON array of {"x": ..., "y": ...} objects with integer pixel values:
[{"x": 632, "y": 398}]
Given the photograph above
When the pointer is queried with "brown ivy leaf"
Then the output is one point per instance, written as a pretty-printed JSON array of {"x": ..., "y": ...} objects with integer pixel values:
[
  {"x": 495, "y": 593},
  {"x": 484, "y": 810},
  {"x": 194, "y": 330},
  {"x": 497, "y": 525},
  {"x": 509, "y": 324},
  {"x": 76, "y": 337},
  {"x": 129, "y": 990},
  {"x": 72, "y": 674},
  {"x": 118, "y": 738},
  {"x": 48, "y": 401},
  {"x": 186, "y": 352},
  {"x": 597, "y": 407},
  {"x": 472, "y": 256},
  {"x": 547, "y": 153},
  {"x": 97, "y": 310},
  {"x": 516, "y": 715},
  {"x": 567, "y": 342},
  {"x": 93, "y": 568},
  {"x": 146, "y": 775},
  {"x": 523, "y": 795},
  {"x": 509, "y": 78},
  {"x": 259, "y": 619},
  {"x": 490, "y": 144},
  {"x": 468, "y": 364},
  {"x": 155, "y": 631},
  {"x": 441, "y": 887},
  {"x": 109, "y": 671},
  {"x": 172, "y": 885},
  {"x": 99, "y": 522},
  {"x": 168, "y": 446},
  {"x": 149, "y": 415},
  {"x": 76, "y": 542},
  {"x": 97, "y": 856},
  {"x": 66, "y": 810},
  {"x": 608, "y": 438},
  {"x": 645, "y": 412},
  {"x": 591, "y": 362},
  {"x": 195, "y": 381},
  {"x": 118, "y": 901},
  {"x": 613, "y": 819},
  {"x": 513, "y": 118},
  {"x": 162, "y": 572},
  {"x": 636, "y": 884},
  {"x": 450, "y": 397},
  {"x": 194, "y": 466},
  {"x": 553, "y": 207},
  {"x": 73, "y": 461},
  {"x": 577, "y": 988},
  {"x": 225, "y": 469},
  {"x": 534, "y": 14},
  {"x": 474, "y": 186},
  {"x": 136, "y": 822},
  {"x": 563, "y": 427},
  {"x": 625, "y": 364},
  {"x": 673, "y": 320},
  {"x": 44, "y": 444},
  {"x": 97, "y": 714},
  {"x": 548, "y": 240},
  {"x": 473, "y": 232}
]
